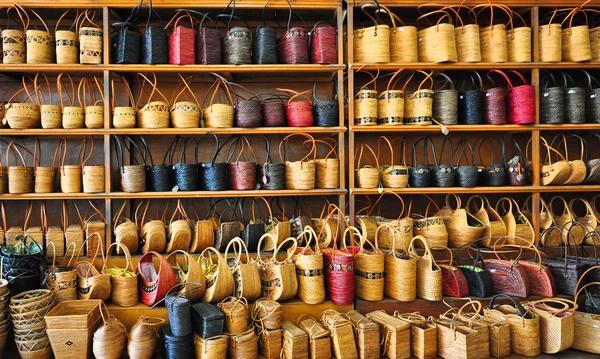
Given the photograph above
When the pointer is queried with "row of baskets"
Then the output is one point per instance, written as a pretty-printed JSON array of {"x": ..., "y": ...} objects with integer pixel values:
[
  {"x": 25, "y": 44},
  {"x": 561, "y": 39},
  {"x": 470, "y": 105},
  {"x": 566, "y": 102},
  {"x": 195, "y": 39}
]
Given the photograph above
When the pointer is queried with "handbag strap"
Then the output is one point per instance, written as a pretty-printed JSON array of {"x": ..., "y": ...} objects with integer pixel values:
[
  {"x": 244, "y": 141},
  {"x": 63, "y": 16},
  {"x": 42, "y": 101},
  {"x": 445, "y": 14},
  {"x": 12, "y": 146},
  {"x": 448, "y": 81},
  {"x": 127, "y": 89},
  {"x": 462, "y": 144},
  {"x": 572, "y": 14},
  {"x": 391, "y": 150},
  {"x": 427, "y": 255},
  {"x": 150, "y": 12},
  {"x": 128, "y": 263},
  {"x": 362, "y": 147},
  {"x": 60, "y": 86},
  {"x": 177, "y": 17},
  {"x": 284, "y": 142},
  {"x": 449, "y": 140},
  {"x": 21, "y": 13},
  {"x": 89, "y": 16},
  {"x": 154, "y": 86},
  {"x": 522, "y": 311}
]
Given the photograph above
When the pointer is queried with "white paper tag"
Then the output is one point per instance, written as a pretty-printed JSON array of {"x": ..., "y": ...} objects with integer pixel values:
[{"x": 445, "y": 130}]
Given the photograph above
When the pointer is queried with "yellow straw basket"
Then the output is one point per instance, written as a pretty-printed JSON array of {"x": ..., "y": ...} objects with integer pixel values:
[
  {"x": 518, "y": 41},
  {"x": 327, "y": 170},
  {"x": 367, "y": 176},
  {"x": 44, "y": 176},
  {"x": 185, "y": 114},
  {"x": 123, "y": 116},
  {"x": 155, "y": 114},
  {"x": 550, "y": 41},
  {"x": 390, "y": 103},
  {"x": 20, "y": 178},
  {"x": 493, "y": 37},
  {"x": 372, "y": 44},
  {"x": 90, "y": 39},
  {"x": 72, "y": 115},
  {"x": 576, "y": 39},
  {"x": 218, "y": 115},
  {"x": 365, "y": 103},
  {"x": 40, "y": 43},
  {"x": 468, "y": 47},
  {"x": 23, "y": 115},
  {"x": 50, "y": 114},
  {"x": 93, "y": 107},
  {"x": 67, "y": 43},
  {"x": 299, "y": 174},
  {"x": 393, "y": 176},
  {"x": 418, "y": 106},
  {"x": 437, "y": 43},
  {"x": 14, "y": 48}
]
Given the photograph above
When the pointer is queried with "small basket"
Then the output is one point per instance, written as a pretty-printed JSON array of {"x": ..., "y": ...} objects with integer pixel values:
[
  {"x": 50, "y": 114},
  {"x": 367, "y": 335},
  {"x": 550, "y": 41},
  {"x": 14, "y": 48},
  {"x": 319, "y": 339},
  {"x": 123, "y": 116},
  {"x": 518, "y": 40},
  {"x": 299, "y": 174},
  {"x": 40, "y": 43},
  {"x": 468, "y": 48},
  {"x": 154, "y": 114},
  {"x": 94, "y": 110},
  {"x": 44, "y": 176},
  {"x": 218, "y": 115},
  {"x": 92, "y": 176},
  {"x": 390, "y": 104},
  {"x": 418, "y": 106},
  {"x": 367, "y": 176},
  {"x": 20, "y": 178},
  {"x": 366, "y": 104},
  {"x": 295, "y": 342},
  {"x": 236, "y": 314},
  {"x": 445, "y": 102},
  {"x": 327, "y": 169},
  {"x": 293, "y": 45},
  {"x": 90, "y": 39},
  {"x": 322, "y": 44},
  {"x": 493, "y": 38},
  {"x": 67, "y": 43},
  {"x": 211, "y": 348},
  {"x": 70, "y": 175},
  {"x": 268, "y": 313},
  {"x": 185, "y": 114},
  {"x": 123, "y": 281},
  {"x": 237, "y": 43},
  {"x": 72, "y": 116},
  {"x": 181, "y": 50},
  {"x": 393, "y": 175},
  {"x": 403, "y": 40},
  {"x": 23, "y": 115},
  {"x": 396, "y": 331}
]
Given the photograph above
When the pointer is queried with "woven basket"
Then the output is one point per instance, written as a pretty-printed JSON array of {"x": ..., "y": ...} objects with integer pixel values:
[
  {"x": 367, "y": 176},
  {"x": 342, "y": 333},
  {"x": 366, "y": 104},
  {"x": 327, "y": 169},
  {"x": 576, "y": 39},
  {"x": 219, "y": 115},
  {"x": 185, "y": 114},
  {"x": 393, "y": 176},
  {"x": 67, "y": 43},
  {"x": 220, "y": 282},
  {"x": 486, "y": 214},
  {"x": 40, "y": 44},
  {"x": 72, "y": 115},
  {"x": 123, "y": 281},
  {"x": 418, "y": 106},
  {"x": 191, "y": 277},
  {"x": 557, "y": 323},
  {"x": 367, "y": 335},
  {"x": 403, "y": 40},
  {"x": 299, "y": 174},
  {"x": 211, "y": 348},
  {"x": 91, "y": 283},
  {"x": 90, "y": 39},
  {"x": 14, "y": 50},
  {"x": 402, "y": 226},
  {"x": 179, "y": 230},
  {"x": 20, "y": 178},
  {"x": 468, "y": 48},
  {"x": 245, "y": 273},
  {"x": 94, "y": 110},
  {"x": 369, "y": 268},
  {"x": 123, "y": 116},
  {"x": 445, "y": 101},
  {"x": 110, "y": 339},
  {"x": 43, "y": 176},
  {"x": 437, "y": 43},
  {"x": 309, "y": 269},
  {"x": 278, "y": 278},
  {"x": 433, "y": 228},
  {"x": 154, "y": 114},
  {"x": 143, "y": 337},
  {"x": 567, "y": 221},
  {"x": 244, "y": 345},
  {"x": 550, "y": 41},
  {"x": 390, "y": 104},
  {"x": 493, "y": 39},
  {"x": 319, "y": 340},
  {"x": 396, "y": 333},
  {"x": 23, "y": 115},
  {"x": 400, "y": 282},
  {"x": 236, "y": 314},
  {"x": 463, "y": 228},
  {"x": 372, "y": 44},
  {"x": 429, "y": 274},
  {"x": 519, "y": 41}
]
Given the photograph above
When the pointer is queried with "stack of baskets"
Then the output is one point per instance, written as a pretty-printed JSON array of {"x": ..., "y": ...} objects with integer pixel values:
[
  {"x": 4, "y": 313},
  {"x": 27, "y": 311}
]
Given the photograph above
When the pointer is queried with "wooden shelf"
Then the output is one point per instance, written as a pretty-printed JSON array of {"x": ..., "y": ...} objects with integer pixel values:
[
  {"x": 52, "y": 68},
  {"x": 573, "y": 188},
  {"x": 168, "y": 131},
  {"x": 275, "y": 69},
  {"x": 474, "y": 66},
  {"x": 176, "y": 4},
  {"x": 445, "y": 190},
  {"x": 569, "y": 127},
  {"x": 437, "y": 128}
]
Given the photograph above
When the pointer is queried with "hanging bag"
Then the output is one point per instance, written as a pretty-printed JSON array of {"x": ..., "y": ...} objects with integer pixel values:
[
  {"x": 576, "y": 39},
  {"x": 437, "y": 43},
  {"x": 50, "y": 114},
  {"x": 299, "y": 174},
  {"x": 154, "y": 284},
  {"x": 39, "y": 42},
  {"x": 245, "y": 274},
  {"x": 400, "y": 280},
  {"x": 70, "y": 175},
  {"x": 179, "y": 231},
  {"x": 43, "y": 176},
  {"x": 219, "y": 115},
  {"x": 180, "y": 51},
  {"x": 213, "y": 175},
  {"x": 185, "y": 114},
  {"x": 20, "y": 178},
  {"x": 445, "y": 101},
  {"x": 154, "y": 114},
  {"x": 293, "y": 45},
  {"x": 325, "y": 112},
  {"x": 264, "y": 43},
  {"x": 429, "y": 274},
  {"x": 242, "y": 174},
  {"x": 155, "y": 48},
  {"x": 237, "y": 43},
  {"x": 247, "y": 110},
  {"x": 91, "y": 283},
  {"x": 322, "y": 44},
  {"x": 73, "y": 116},
  {"x": 90, "y": 39},
  {"x": 14, "y": 48},
  {"x": 67, "y": 42},
  {"x": 369, "y": 268},
  {"x": 372, "y": 44},
  {"x": 550, "y": 40},
  {"x": 552, "y": 106},
  {"x": 123, "y": 116},
  {"x": 126, "y": 44},
  {"x": 466, "y": 175},
  {"x": 392, "y": 175},
  {"x": 472, "y": 102},
  {"x": 94, "y": 110},
  {"x": 366, "y": 103},
  {"x": 418, "y": 106},
  {"x": 403, "y": 39},
  {"x": 369, "y": 175},
  {"x": 133, "y": 177},
  {"x": 153, "y": 236},
  {"x": 390, "y": 103},
  {"x": 124, "y": 280}
]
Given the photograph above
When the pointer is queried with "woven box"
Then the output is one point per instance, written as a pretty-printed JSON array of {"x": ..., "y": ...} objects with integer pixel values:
[
  {"x": 73, "y": 234},
  {"x": 295, "y": 342},
  {"x": 207, "y": 320},
  {"x": 56, "y": 236},
  {"x": 319, "y": 339},
  {"x": 270, "y": 343},
  {"x": 397, "y": 333},
  {"x": 342, "y": 334},
  {"x": 93, "y": 242},
  {"x": 368, "y": 336}
]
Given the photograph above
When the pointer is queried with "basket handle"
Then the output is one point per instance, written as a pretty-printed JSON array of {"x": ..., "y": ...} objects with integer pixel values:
[
  {"x": 510, "y": 85},
  {"x": 20, "y": 13},
  {"x": 127, "y": 89},
  {"x": 15, "y": 150},
  {"x": 43, "y": 100},
  {"x": 381, "y": 196},
  {"x": 181, "y": 211},
  {"x": 450, "y": 260},
  {"x": 522, "y": 311},
  {"x": 305, "y": 158},
  {"x": 329, "y": 142},
  {"x": 177, "y": 17},
  {"x": 372, "y": 81},
  {"x": 375, "y": 19},
  {"x": 127, "y": 254},
  {"x": 60, "y": 86},
  {"x": 63, "y": 16},
  {"x": 90, "y": 19},
  {"x": 572, "y": 14},
  {"x": 413, "y": 253},
  {"x": 362, "y": 147},
  {"x": 462, "y": 151},
  {"x": 425, "y": 16},
  {"x": 389, "y": 146},
  {"x": 38, "y": 16},
  {"x": 447, "y": 82}
]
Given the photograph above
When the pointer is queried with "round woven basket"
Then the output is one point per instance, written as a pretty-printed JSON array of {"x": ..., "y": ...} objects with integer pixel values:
[
  {"x": 576, "y": 39},
  {"x": 445, "y": 102},
  {"x": 185, "y": 114},
  {"x": 92, "y": 176},
  {"x": 390, "y": 103},
  {"x": 367, "y": 176},
  {"x": 493, "y": 38},
  {"x": 72, "y": 115},
  {"x": 23, "y": 115},
  {"x": 90, "y": 39},
  {"x": 437, "y": 43},
  {"x": 14, "y": 49},
  {"x": 327, "y": 169},
  {"x": 392, "y": 175},
  {"x": 418, "y": 106},
  {"x": 123, "y": 116},
  {"x": 67, "y": 43},
  {"x": 155, "y": 114},
  {"x": 94, "y": 116},
  {"x": 44, "y": 176},
  {"x": 20, "y": 178},
  {"x": 403, "y": 40},
  {"x": 400, "y": 282},
  {"x": 40, "y": 44},
  {"x": 123, "y": 281},
  {"x": 218, "y": 115},
  {"x": 550, "y": 42},
  {"x": 299, "y": 174},
  {"x": 50, "y": 116},
  {"x": 551, "y": 100},
  {"x": 372, "y": 44},
  {"x": 236, "y": 314},
  {"x": 468, "y": 48},
  {"x": 518, "y": 40},
  {"x": 93, "y": 107}
]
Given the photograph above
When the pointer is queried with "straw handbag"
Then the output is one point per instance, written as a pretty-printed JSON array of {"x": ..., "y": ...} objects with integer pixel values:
[
  {"x": 567, "y": 221},
  {"x": 524, "y": 326},
  {"x": 367, "y": 176},
  {"x": 493, "y": 38},
  {"x": 133, "y": 176},
  {"x": 191, "y": 278},
  {"x": 540, "y": 277},
  {"x": 67, "y": 44},
  {"x": 126, "y": 231},
  {"x": 552, "y": 173},
  {"x": 586, "y": 324},
  {"x": 211, "y": 348},
  {"x": 550, "y": 40},
  {"x": 43, "y": 176},
  {"x": 219, "y": 279},
  {"x": 219, "y": 115},
  {"x": 153, "y": 285},
  {"x": 90, "y": 38},
  {"x": 74, "y": 234},
  {"x": 429, "y": 274},
  {"x": 403, "y": 40},
  {"x": 94, "y": 109},
  {"x": 366, "y": 103},
  {"x": 93, "y": 180},
  {"x": 493, "y": 224},
  {"x": 298, "y": 113},
  {"x": 280, "y": 228},
  {"x": 61, "y": 280},
  {"x": 576, "y": 39},
  {"x": 342, "y": 333},
  {"x": 245, "y": 273},
  {"x": 179, "y": 231},
  {"x": 372, "y": 44},
  {"x": 91, "y": 283},
  {"x": 546, "y": 219},
  {"x": 396, "y": 333},
  {"x": 589, "y": 219},
  {"x": 393, "y": 176},
  {"x": 433, "y": 228},
  {"x": 319, "y": 339},
  {"x": 278, "y": 278},
  {"x": 366, "y": 335},
  {"x": 15, "y": 50},
  {"x": 327, "y": 170},
  {"x": 557, "y": 323},
  {"x": 517, "y": 225},
  {"x": 92, "y": 225},
  {"x": 185, "y": 114},
  {"x": 40, "y": 49},
  {"x": 309, "y": 269},
  {"x": 423, "y": 334},
  {"x": 400, "y": 280},
  {"x": 445, "y": 101},
  {"x": 402, "y": 226},
  {"x": 123, "y": 281},
  {"x": 437, "y": 43},
  {"x": 50, "y": 114},
  {"x": 123, "y": 116},
  {"x": 54, "y": 235},
  {"x": 23, "y": 115},
  {"x": 508, "y": 276},
  {"x": 154, "y": 114},
  {"x": 369, "y": 268},
  {"x": 518, "y": 40},
  {"x": 390, "y": 103},
  {"x": 468, "y": 48},
  {"x": 70, "y": 175},
  {"x": 72, "y": 115},
  {"x": 181, "y": 52},
  {"x": 578, "y": 170},
  {"x": 463, "y": 228},
  {"x": 267, "y": 314},
  {"x": 20, "y": 178},
  {"x": 299, "y": 174},
  {"x": 418, "y": 106},
  {"x": 456, "y": 340},
  {"x": 236, "y": 314},
  {"x": 152, "y": 233}
]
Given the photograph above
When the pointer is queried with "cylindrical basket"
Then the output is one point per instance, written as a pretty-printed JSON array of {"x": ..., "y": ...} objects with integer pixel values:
[{"x": 90, "y": 39}]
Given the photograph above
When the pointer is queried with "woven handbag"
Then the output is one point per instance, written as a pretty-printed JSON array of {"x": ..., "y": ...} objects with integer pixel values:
[
  {"x": 551, "y": 173},
  {"x": 154, "y": 284},
  {"x": 367, "y": 176},
  {"x": 153, "y": 234},
  {"x": 123, "y": 116},
  {"x": 219, "y": 279},
  {"x": 247, "y": 111},
  {"x": 185, "y": 114},
  {"x": 400, "y": 281},
  {"x": 40, "y": 43},
  {"x": 578, "y": 169},
  {"x": 390, "y": 103},
  {"x": 159, "y": 177},
  {"x": 309, "y": 269},
  {"x": 567, "y": 221},
  {"x": 54, "y": 235},
  {"x": 91, "y": 283},
  {"x": 592, "y": 100},
  {"x": 369, "y": 268},
  {"x": 551, "y": 100},
  {"x": 524, "y": 326},
  {"x": 292, "y": 46},
  {"x": 273, "y": 109},
  {"x": 264, "y": 43},
  {"x": 518, "y": 39},
  {"x": 432, "y": 228},
  {"x": 550, "y": 40},
  {"x": 576, "y": 46},
  {"x": 133, "y": 177},
  {"x": 495, "y": 173},
  {"x": 242, "y": 174},
  {"x": 326, "y": 227},
  {"x": 155, "y": 48},
  {"x": 123, "y": 281},
  {"x": 325, "y": 112},
  {"x": 186, "y": 176},
  {"x": 396, "y": 333},
  {"x": 463, "y": 227},
  {"x": 15, "y": 49},
  {"x": 43, "y": 175},
  {"x": 372, "y": 44},
  {"x": 269, "y": 175},
  {"x": 50, "y": 114},
  {"x": 585, "y": 321},
  {"x": 574, "y": 100},
  {"x": 299, "y": 174},
  {"x": 403, "y": 226},
  {"x": 418, "y": 106},
  {"x": 278, "y": 278},
  {"x": 126, "y": 45},
  {"x": 546, "y": 220},
  {"x": 493, "y": 38},
  {"x": 472, "y": 102},
  {"x": 94, "y": 222},
  {"x": 218, "y": 115},
  {"x": 23, "y": 115},
  {"x": 493, "y": 224},
  {"x": 126, "y": 231},
  {"x": 93, "y": 107},
  {"x": 518, "y": 227},
  {"x": 445, "y": 101},
  {"x": 73, "y": 114},
  {"x": 392, "y": 175},
  {"x": 322, "y": 44},
  {"x": 327, "y": 169},
  {"x": 466, "y": 175},
  {"x": 366, "y": 103},
  {"x": 459, "y": 340},
  {"x": 20, "y": 178},
  {"x": 213, "y": 176},
  {"x": 508, "y": 276},
  {"x": 541, "y": 279},
  {"x": 419, "y": 175},
  {"x": 180, "y": 51},
  {"x": 520, "y": 102},
  {"x": 67, "y": 42},
  {"x": 298, "y": 113},
  {"x": 179, "y": 230},
  {"x": 237, "y": 43},
  {"x": 443, "y": 174},
  {"x": 190, "y": 277},
  {"x": 437, "y": 43},
  {"x": 429, "y": 274},
  {"x": 254, "y": 228},
  {"x": 478, "y": 279},
  {"x": 566, "y": 270},
  {"x": 468, "y": 47},
  {"x": 245, "y": 273},
  {"x": 90, "y": 38},
  {"x": 154, "y": 114}
]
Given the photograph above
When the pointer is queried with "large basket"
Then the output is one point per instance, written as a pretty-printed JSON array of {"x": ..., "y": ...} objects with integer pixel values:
[
  {"x": 299, "y": 174},
  {"x": 576, "y": 46},
  {"x": 23, "y": 115},
  {"x": 372, "y": 44},
  {"x": 437, "y": 43},
  {"x": 13, "y": 48}
]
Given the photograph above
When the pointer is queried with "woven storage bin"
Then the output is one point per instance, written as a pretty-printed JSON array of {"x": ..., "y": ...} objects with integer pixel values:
[
  {"x": 456, "y": 340},
  {"x": 207, "y": 320},
  {"x": 40, "y": 44},
  {"x": 71, "y": 326},
  {"x": 318, "y": 336},
  {"x": 299, "y": 174},
  {"x": 154, "y": 114},
  {"x": 372, "y": 44},
  {"x": 437, "y": 43},
  {"x": 519, "y": 41},
  {"x": 418, "y": 106},
  {"x": 211, "y": 348},
  {"x": 396, "y": 332},
  {"x": 123, "y": 116},
  {"x": 219, "y": 115},
  {"x": 429, "y": 274},
  {"x": 400, "y": 282},
  {"x": 236, "y": 314},
  {"x": 67, "y": 43},
  {"x": 367, "y": 335},
  {"x": 295, "y": 342},
  {"x": 185, "y": 114},
  {"x": 143, "y": 337},
  {"x": 423, "y": 335},
  {"x": 90, "y": 39},
  {"x": 23, "y": 115},
  {"x": 271, "y": 343},
  {"x": 20, "y": 178},
  {"x": 576, "y": 39},
  {"x": 342, "y": 333},
  {"x": 14, "y": 48}
]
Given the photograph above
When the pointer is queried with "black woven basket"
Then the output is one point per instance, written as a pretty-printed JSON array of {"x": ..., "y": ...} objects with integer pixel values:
[
  {"x": 186, "y": 174},
  {"x": 443, "y": 175},
  {"x": 159, "y": 178},
  {"x": 155, "y": 47},
  {"x": 445, "y": 101},
  {"x": 269, "y": 175},
  {"x": 174, "y": 346},
  {"x": 552, "y": 104},
  {"x": 592, "y": 100},
  {"x": 126, "y": 44},
  {"x": 574, "y": 101},
  {"x": 466, "y": 175},
  {"x": 471, "y": 103},
  {"x": 325, "y": 113},
  {"x": 207, "y": 320},
  {"x": 253, "y": 228},
  {"x": 264, "y": 43},
  {"x": 420, "y": 174},
  {"x": 213, "y": 175},
  {"x": 495, "y": 173}
]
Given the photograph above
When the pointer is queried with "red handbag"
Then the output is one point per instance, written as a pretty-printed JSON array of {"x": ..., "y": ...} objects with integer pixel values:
[
  {"x": 293, "y": 45},
  {"x": 508, "y": 276},
  {"x": 495, "y": 102},
  {"x": 520, "y": 100},
  {"x": 540, "y": 277},
  {"x": 182, "y": 41},
  {"x": 322, "y": 44},
  {"x": 298, "y": 113},
  {"x": 454, "y": 282},
  {"x": 154, "y": 285}
]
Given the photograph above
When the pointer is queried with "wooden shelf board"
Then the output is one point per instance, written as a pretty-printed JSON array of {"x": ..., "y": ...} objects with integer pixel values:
[
  {"x": 225, "y": 131},
  {"x": 275, "y": 69},
  {"x": 52, "y": 132},
  {"x": 444, "y": 190},
  {"x": 473, "y": 66},
  {"x": 52, "y": 196},
  {"x": 437, "y": 128},
  {"x": 52, "y": 68},
  {"x": 176, "y": 4},
  {"x": 569, "y": 127},
  {"x": 573, "y": 188}
]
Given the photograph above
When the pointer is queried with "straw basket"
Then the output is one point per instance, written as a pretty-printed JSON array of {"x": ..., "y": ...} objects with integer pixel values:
[
  {"x": 40, "y": 44},
  {"x": 367, "y": 176},
  {"x": 550, "y": 42},
  {"x": 94, "y": 109},
  {"x": 319, "y": 340},
  {"x": 367, "y": 335},
  {"x": 123, "y": 116},
  {"x": 23, "y": 115},
  {"x": 493, "y": 224},
  {"x": 143, "y": 337},
  {"x": 369, "y": 269},
  {"x": 429, "y": 274},
  {"x": 123, "y": 281},
  {"x": 431, "y": 228},
  {"x": 90, "y": 39},
  {"x": 393, "y": 176},
  {"x": 110, "y": 339},
  {"x": 20, "y": 178},
  {"x": 366, "y": 104},
  {"x": 576, "y": 40},
  {"x": 44, "y": 176},
  {"x": 418, "y": 107},
  {"x": 268, "y": 313},
  {"x": 463, "y": 228},
  {"x": 327, "y": 169},
  {"x": 91, "y": 283},
  {"x": 423, "y": 334},
  {"x": 211, "y": 348},
  {"x": 519, "y": 43},
  {"x": 219, "y": 279},
  {"x": 299, "y": 174},
  {"x": 245, "y": 273},
  {"x": 372, "y": 44},
  {"x": 244, "y": 345},
  {"x": 67, "y": 51},
  {"x": 403, "y": 41},
  {"x": 400, "y": 282},
  {"x": 72, "y": 115},
  {"x": 595, "y": 43},
  {"x": 295, "y": 342},
  {"x": 468, "y": 48},
  {"x": 437, "y": 43},
  {"x": 278, "y": 278},
  {"x": 154, "y": 114},
  {"x": 185, "y": 114},
  {"x": 390, "y": 104},
  {"x": 493, "y": 38},
  {"x": 179, "y": 231},
  {"x": 50, "y": 115},
  {"x": 191, "y": 277},
  {"x": 218, "y": 115},
  {"x": 557, "y": 323},
  {"x": 14, "y": 39},
  {"x": 236, "y": 314},
  {"x": 342, "y": 333},
  {"x": 396, "y": 332},
  {"x": 309, "y": 269}
]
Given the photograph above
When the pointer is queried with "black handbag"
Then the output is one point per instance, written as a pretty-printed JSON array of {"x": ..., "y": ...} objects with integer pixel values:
[
  {"x": 419, "y": 175},
  {"x": 552, "y": 104},
  {"x": 495, "y": 173},
  {"x": 466, "y": 175},
  {"x": 471, "y": 103},
  {"x": 186, "y": 174},
  {"x": 478, "y": 279},
  {"x": 159, "y": 177},
  {"x": 264, "y": 43},
  {"x": 254, "y": 228},
  {"x": 325, "y": 113},
  {"x": 592, "y": 100},
  {"x": 155, "y": 47},
  {"x": 126, "y": 45},
  {"x": 227, "y": 229},
  {"x": 574, "y": 98},
  {"x": 443, "y": 174},
  {"x": 213, "y": 175}
]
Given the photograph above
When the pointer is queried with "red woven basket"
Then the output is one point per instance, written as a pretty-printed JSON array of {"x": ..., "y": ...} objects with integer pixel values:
[
  {"x": 520, "y": 102},
  {"x": 293, "y": 46},
  {"x": 322, "y": 44},
  {"x": 273, "y": 110},
  {"x": 182, "y": 42},
  {"x": 154, "y": 286},
  {"x": 495, "y": 103},
  {"x": 242, "y": 174},
  {"x": 299, "y": 113},
  {"x": 208, "y": 44}
]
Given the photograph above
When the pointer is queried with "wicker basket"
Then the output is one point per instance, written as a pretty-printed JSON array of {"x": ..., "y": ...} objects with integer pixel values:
[
  {"x": 211, "y": 348},
  {"x": 418, "y": 106},
  {"x": 396, "y": 332},
  {"x": 91, "y": 283},
  {"x": 429, "y": 274},
  {"x": 437, "y": 43},
  {"x": 123, "y": 116},
  {"x": 219, "y": 278},
  {"x": 267, "y": 313},
  {"x": 22, "y": 115},
  {"x": 390, "y": 103},
  {"x": 493, "y": 38},
  {"x": 90, "y": 39},
  {"x": 342, "y": 333},
  {"x": 20, "y": 178},
  {"x": 319, "y": 340},
  {"x": 366, "y": 103},
  {"x": 403, "y": 40},
  {"x": 299, "y": 174},
  {"x": 44, "y": 176},
  {"x": 367, "y": 176},
  {"x": 309, "y": 269},
  {"x": 327, "y": 169},
  {"x": 400, "y": 282},
  {"x": 50, "y": 114},
  {"x": 519, "y": 41},
  {"x": 143, "y": 337},
  {"x": 245, "y": 273},
  {"x": 154, "y": 114},
  {"x": 40, "y": 44},
  {"x": 278, "y": 278},
  {"x": 185, "y": 114},
  {"x": 550, "y": 41},
  {"x": 372, "y": 44},
  {"x": 14, "y": 39},
  {"x": 192, "y": 281},
  {"x": 67, "y": 43},
  {"x": 557, "y": 323},
  {"x": 423, "y": 334},
  {"x": 236, "y": 314},
  {"x": 576, "y": 39},
  {"x": 367, "y": 335},
  {"x": 94, "y": 109},
  {"x": 392, "y": 175},
  {"x": 123, "y": 281},
  {"x": 295, "y": 342},
  {"x": 72, "y": 116},
  {"x": 218, "y": 115}
]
